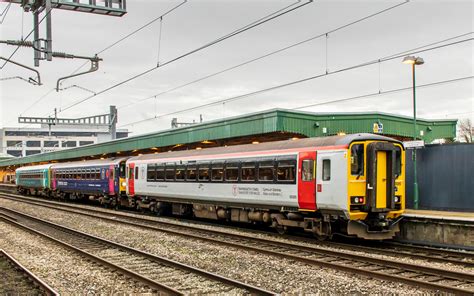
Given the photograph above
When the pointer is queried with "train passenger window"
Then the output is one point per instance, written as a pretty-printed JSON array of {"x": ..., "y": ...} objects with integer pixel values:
[
  {"x": 191, "y": 173},
  {"x": 286, "y": 171},
  {"x": 249, "y": 171},
  {"x": 180, "y": 173},
  {"x": 217, "y": 171},
  {"x": 136, "y": 172},
  {"x": 151, "y": 172},
  {"x": 232, "y": 172},
  {"x": 169, "y": 173},
  {"x": 160, "y": 172},
  {"x": 398, "y": 162},
  {"x": 203, "y": 174},
  {"x": 307, "y": 171},
  {"x": 265, "y": 170},
  {"x": 97, "y": 174},
  {"x": 326, "y": 169},
  {"x": 357, "y": 160}
]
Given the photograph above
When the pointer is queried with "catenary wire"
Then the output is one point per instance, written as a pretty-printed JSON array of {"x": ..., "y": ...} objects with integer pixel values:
[
  {"x": 234, "y": 33},
  {"x": 265, "y": 55},
  {"x": 133, "y": 33},
  {"x": 114, "y": 44},
  {"x": 239, "y": 97}
]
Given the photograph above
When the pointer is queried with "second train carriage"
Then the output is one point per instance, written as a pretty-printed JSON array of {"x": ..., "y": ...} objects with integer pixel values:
[
  {"x": 102, "y": 180},
  {"x": 350, "y": 184}
]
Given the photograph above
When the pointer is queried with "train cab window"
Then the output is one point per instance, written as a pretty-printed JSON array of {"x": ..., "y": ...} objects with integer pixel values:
[
  {"x": 217, "y": 172},
  {"x": 151, "y": 172},
  {"x": 191, "y": 173},
  {"x": 265, "y": 171},
  {"x": 286, "y": 171},
  {"x": 203, "y": 174},
  {"x": 307, "y": 171},
  {"x": 180, "y": 173},
  {"x": 326, "y": 169},
  {"x": 249, "y": 171},
  {"x": 232, "y": 172},
  {"x": 170, "y": 172},
  {"x": 160, "y": 172},
  {"x": 122, "y": 170},
  {"x": 398, "y": 162},
  {"x": 357, "y": 160},
  {"x": 136, "y": 173}
]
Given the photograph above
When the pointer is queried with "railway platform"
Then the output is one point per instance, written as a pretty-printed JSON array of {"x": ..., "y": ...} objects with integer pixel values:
[{"x": 438, "y": 228}]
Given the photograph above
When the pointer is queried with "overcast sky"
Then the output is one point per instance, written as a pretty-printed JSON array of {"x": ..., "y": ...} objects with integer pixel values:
[{"x": 411, "y": 25}]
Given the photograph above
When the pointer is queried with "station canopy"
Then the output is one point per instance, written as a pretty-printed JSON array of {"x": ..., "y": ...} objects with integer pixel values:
[{"x": 270, "y": 125}]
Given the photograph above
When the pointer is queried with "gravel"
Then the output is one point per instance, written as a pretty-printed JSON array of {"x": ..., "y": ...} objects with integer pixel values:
[
  {"x": 278, "y": 275},
  {"x": 62, "y": 269}
]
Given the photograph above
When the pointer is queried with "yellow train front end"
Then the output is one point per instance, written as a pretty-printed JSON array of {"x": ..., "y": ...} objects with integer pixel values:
[{"x": 376, "y": 188}]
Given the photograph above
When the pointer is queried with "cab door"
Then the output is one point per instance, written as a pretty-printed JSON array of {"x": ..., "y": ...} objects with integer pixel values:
[
  {"x": 111, "y": 180},
  {"x": 381, "y": 180},
  {"x": 131, "y": 178},
  {"x": 307, "y": 180}
]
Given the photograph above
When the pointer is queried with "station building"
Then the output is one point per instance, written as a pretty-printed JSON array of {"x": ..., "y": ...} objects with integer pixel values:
[
  {"x": 270, "y": 125},
  {"x": 20, "y": 142}
]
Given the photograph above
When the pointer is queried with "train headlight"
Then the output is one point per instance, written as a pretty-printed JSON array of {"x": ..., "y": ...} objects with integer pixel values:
[
  {"x": 124, "y": 184},
  {"x": 357, "y": 199},
  {"x": 397, "y": 199}
]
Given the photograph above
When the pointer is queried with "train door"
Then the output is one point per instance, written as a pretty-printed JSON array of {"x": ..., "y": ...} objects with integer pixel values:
[
  {"x": 307, "y": 180},
  {"x": 131, "y": 178},
  {"x": 111, "y": 180},
  {"x": 381, "y": 179}
]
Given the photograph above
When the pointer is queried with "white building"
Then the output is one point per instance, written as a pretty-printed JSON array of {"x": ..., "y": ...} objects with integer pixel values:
[{"x": 28, "y": 141}]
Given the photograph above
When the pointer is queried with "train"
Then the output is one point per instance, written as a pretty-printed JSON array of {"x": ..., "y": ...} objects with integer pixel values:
[{"x": 352, "y": 185}]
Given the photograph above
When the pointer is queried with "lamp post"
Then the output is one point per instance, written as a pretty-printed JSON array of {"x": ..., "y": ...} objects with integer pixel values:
[{"x": 414, "y": 61}]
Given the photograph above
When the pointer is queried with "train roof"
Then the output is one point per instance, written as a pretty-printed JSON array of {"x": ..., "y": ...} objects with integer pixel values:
[
  {"x": 34, "y": 167},
  {"x": 336, "y": 141},
  {"x": 90, "y": 163}
]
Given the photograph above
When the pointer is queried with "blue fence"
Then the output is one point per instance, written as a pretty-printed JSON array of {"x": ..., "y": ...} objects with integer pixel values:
[{"x": 445, "y": 177}]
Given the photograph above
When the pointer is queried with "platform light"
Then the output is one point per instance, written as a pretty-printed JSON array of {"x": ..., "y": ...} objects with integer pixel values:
[
  {"x": 414, "y": 61},
  {"x": 139, "y": 154},
  {"x": 206, "y": 142},
  {"x": 341, "y": 133},
  {"x": 294, "y": 138},
  {"x": 255, "y": 142},
  {"x": 198, "y": 148},
  {"x": 102, "y": 158},
  {"x": 155, "y": 152}
]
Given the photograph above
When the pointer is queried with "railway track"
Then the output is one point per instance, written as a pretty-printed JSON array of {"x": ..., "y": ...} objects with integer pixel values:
[
  {"x": 18, "y": 280},
  {"x": 385, "y": 269},
  {"x": 159, "y": 274},
  {"x": 461, "y": 258}
]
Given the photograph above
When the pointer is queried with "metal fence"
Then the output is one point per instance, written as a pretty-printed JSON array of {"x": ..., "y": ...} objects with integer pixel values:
[{"x": 445, "y": 177}]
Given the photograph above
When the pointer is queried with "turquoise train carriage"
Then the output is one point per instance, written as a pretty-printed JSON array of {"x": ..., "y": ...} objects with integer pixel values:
[{"x": 34, "y": 179}]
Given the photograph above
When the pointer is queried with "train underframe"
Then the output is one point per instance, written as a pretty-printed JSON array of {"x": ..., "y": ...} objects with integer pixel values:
[{"x": 323, "y": 225}]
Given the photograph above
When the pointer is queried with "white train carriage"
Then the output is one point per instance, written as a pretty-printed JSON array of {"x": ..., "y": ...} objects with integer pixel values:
[{"x": 316, "y": 184}]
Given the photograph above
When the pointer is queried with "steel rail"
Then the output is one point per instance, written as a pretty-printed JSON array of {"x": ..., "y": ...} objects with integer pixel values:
[
  {"x": 168, "y": 262},
  {"x": 148, "y": 282},
  {"x": 282, "y": 250},
  {"x": 44, "y": 287},
  {"x": 441, "y": 255}
]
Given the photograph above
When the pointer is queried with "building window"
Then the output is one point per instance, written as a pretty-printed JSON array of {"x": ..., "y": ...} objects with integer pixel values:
[
  {"x": 326, "y": 169},
  {"x": 15, "y": 153},
  {"x": 84, "y": 143},
  {"x": 32, "y": 152},
  {"x": 51, "y": 144},
  {"x": 69, "y": 144},
  {"x": 14, "y": 144},
  {"x": 33, "y": 143}
]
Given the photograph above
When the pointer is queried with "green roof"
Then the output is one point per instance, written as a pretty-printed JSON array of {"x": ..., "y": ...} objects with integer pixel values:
[{"x": 272, "y": 121}]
